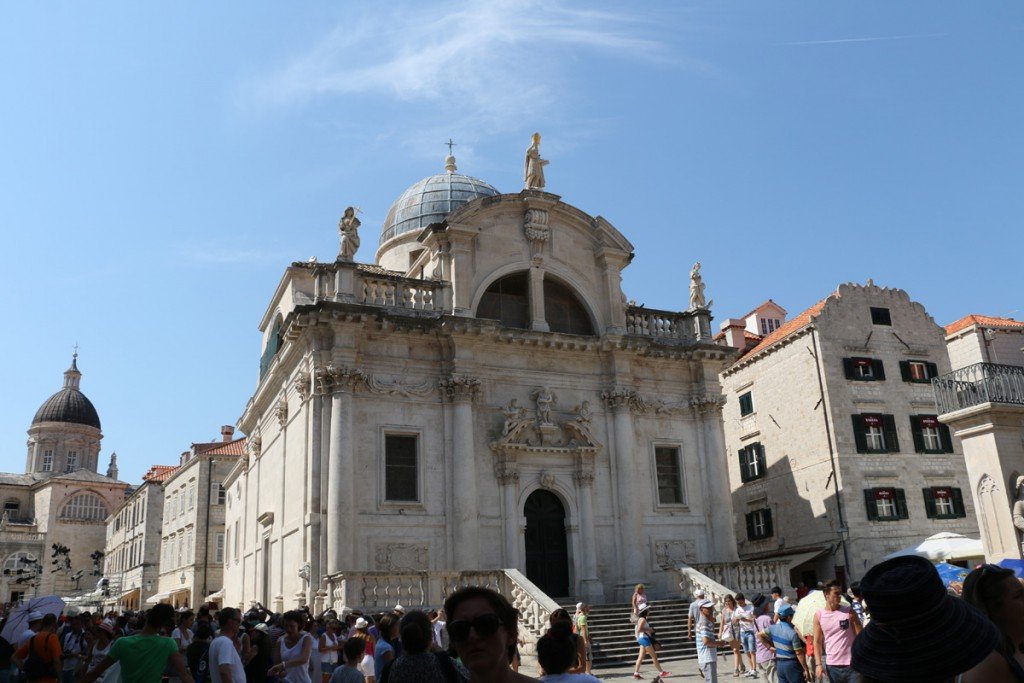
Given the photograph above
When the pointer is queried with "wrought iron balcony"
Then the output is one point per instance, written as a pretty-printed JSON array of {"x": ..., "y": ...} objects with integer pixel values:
[{"x": 979, "y": 383}]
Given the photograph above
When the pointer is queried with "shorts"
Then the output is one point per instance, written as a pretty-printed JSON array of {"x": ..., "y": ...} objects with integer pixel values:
[
  {"x": 747, "y": 640},
  {"x": 645, "y": 641}
]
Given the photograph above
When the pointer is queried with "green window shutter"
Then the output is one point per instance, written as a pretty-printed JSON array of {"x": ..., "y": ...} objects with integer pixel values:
[
  {"x": 933, "y": 370},
  {"x": 915, "y": 430},
  {"x": 878, "y": 368},
  {"x": 858, "y": 434},
  {"x": 929, "y": 503},
  {"x": 905, "y": 370},
  {"x": 750, "y": 526},
  {"x": 744, "y": 474},
  {"x": 946, "y": 438},
  {"x": 769, "y": 530},
  {"x": 901, "y": 504},
  {"x": 892, "y": 441},
  {"x": 762, "y": 470},
  {"x": 848, "y": 368},
  {"x": 958, "y": 503},
  {"x": 870, "y": 505}
]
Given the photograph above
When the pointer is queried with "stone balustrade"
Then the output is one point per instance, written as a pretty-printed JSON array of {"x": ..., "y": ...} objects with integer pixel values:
[
  {"x": 690, "y": 326},
  {"x": 372, "y": 591},
  {"x": 728, "y": 578},
  {"x": 375, "y": 286}
]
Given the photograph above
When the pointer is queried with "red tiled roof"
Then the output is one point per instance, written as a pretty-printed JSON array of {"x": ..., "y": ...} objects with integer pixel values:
[
  {"x": 159, "y": 472},
  {"x": 236, "y": 447},
  {"x": 749, "y": 336},
  {"x": 791, "y": 326},
  {"x": 982, "y": 321},
  {"x": 755, "y": 309}
]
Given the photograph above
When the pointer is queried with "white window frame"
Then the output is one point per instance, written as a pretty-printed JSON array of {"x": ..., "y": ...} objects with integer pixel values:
[
  {"x": 237, "y": 541},
  {"x": 931, "y": 438},
  {"x": 918, "y": 370},
  {"x": 47, "y": 464},
  {"x": 218, "y": 553},
  {"x": 71, "y": 461},
  {"x": 218, "y": 494},
  {"x": 874, "y": 437},
  {"x": 760, "y": 524},
  {"x": 752, "y": 461},
  {"x": 886, "y": 507},
  {"x": 191, "y": 495},
  {"x": 943, "y": 505},
  {"x": 399, "y": 430}
]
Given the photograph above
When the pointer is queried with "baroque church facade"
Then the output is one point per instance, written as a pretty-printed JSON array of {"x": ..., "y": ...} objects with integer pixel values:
[
  {"x": 61, "y": 500},
  {"x": 482, "y": 396}
]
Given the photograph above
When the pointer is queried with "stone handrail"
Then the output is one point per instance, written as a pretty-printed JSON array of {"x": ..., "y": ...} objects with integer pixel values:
[
  {"x": 687, "y": 326},
  {"x": 728, "y": 578},
  {"x": 8, "y": 536},
  {"x": 374, "y": 286},
  {"x": 691, "y": 580},
  {"x": 979, "y": 383},
  {"x": 372, "y": 591}
]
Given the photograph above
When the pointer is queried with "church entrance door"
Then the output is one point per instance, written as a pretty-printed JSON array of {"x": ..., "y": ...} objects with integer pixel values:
[{"x": 547, "y": 555}]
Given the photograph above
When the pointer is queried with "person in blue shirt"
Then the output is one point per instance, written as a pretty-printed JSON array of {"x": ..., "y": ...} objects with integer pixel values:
[
  {"x": 708, "y": 642},
  {"x": 787, "y": 646}
]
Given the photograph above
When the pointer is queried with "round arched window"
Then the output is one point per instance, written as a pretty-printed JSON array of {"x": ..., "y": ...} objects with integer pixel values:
[
  {"x": 563, "y": 310},
  {"x": 85, "y": 506},
  {"x": 507, "y": 300}
]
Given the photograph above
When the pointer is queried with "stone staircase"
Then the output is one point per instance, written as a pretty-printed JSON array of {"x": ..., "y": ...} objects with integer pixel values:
[{"x": 612, "y": 632}]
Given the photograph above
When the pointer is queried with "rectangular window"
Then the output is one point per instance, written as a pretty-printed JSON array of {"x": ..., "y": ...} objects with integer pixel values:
[
  {"x": 918, "y": 371},
  {"x": 944, "y": 502},
  {"x": 880, "y": 316},
  {"x": 179, "y": 550},
  {"x": 864, "y": 369},
  {"x": 72, "y": 461},
  {"x": 237, "y": 542},
  {"x": 191, "y": 496},
  {"x": 752, "y": 463},
  {"x": 768, "y": 325},
  {"x": 670, "y": 488},
  {"x": 218, "y": 555},
  {"x": 930, "y": 435},
  {"x": 400, "y": 468},
  {"x": 885, "y": 504},
  {"x": 217, "y": 493},
  {"x": 746, "y": 404},
  {"x": 759, "y": 524},
  {"x": 874, "y": 433},
  {"x": 188, "y": 548},
  {"x": 47, "y": 461}
]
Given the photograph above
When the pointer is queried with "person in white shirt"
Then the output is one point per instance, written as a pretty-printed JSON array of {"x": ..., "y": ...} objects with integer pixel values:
[
  {"x": 35, "y": 619},
  {"x": 779, "y": 601},
  {"x": 225, "y": 663}
]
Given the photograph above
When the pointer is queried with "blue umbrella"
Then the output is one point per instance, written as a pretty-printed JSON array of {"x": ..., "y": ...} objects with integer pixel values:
[
  {"x": 950, "y": 572},
  {"x": 1016, "y": 565}
]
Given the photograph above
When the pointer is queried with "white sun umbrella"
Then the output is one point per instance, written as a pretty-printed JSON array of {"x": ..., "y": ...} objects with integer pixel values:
[
  {"x": 17, "y": 622},
  {"x": 942, "y": 547}
]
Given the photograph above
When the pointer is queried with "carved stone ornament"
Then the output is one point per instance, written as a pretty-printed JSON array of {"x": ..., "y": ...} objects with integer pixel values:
[
  {"x": 544, "y": 401},
  {"x": 394, "y": 557},
  {"x": 535, "y": 227},
  {"x": 506, "y": 468},
  {"x": 547, "y": 480},
  {"x": 669, "y": 554},
  {"x": 460, "y": 387},
  {"x": 254, "y": 445},
  {"x": 304, "y": 572},
  {"x": 303, "y": 384},
  {"x": 704, "y": 405},
  {"x": 398, "y": 386},
  {"x": 346, "y": 378},
  {"x": 348, "y": 235},
  {"x": 323, "y": 381},
  {"x": 282, "y": 411},
  {"x": 619, "y": 397},
  {"x": 583, "y": 475}
]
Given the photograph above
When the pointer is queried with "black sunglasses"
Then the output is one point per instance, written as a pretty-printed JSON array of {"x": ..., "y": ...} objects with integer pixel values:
[{"x": 485, "y": 625}]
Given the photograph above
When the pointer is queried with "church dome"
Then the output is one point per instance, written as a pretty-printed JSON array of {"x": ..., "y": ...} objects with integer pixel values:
[
  {"x": 432, "y": 199},
  {"x": 69, "y": 404}
]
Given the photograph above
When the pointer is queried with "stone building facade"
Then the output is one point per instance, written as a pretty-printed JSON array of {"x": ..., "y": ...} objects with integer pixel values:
[
  {"x": 836, "y": 456},
  {"x": 132, "y": 554},
  {"x": 982, "y": 400},
  {"x": 60, "y": 499},
  {"x": 192, "y": 531},
  {"x": 481, "y": 397}
]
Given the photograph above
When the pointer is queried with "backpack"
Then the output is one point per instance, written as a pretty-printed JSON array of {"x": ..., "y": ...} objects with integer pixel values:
[
  {"x": 451, "y": 674},
  {"x": 37, "y": 668}
]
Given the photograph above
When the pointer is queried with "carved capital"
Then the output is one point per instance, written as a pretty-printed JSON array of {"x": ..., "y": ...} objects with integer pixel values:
[
  {"x": 323, "y": 381},
  {"x": 253, "y": 447},
  {"x": 583, "y": 475},
  {"x": 619, "y": 398},
  {"x": 506, "y": 468},
  {"x": 302, "y": 383},
  {"x": 707, "y": 405},
  {"x": 460, "y": 388},
  {"x": 282, "y": 411},
  {"x": 583, "y": 478}
]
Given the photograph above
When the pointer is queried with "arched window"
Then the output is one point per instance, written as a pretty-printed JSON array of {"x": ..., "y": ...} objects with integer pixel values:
[
  {"x": 508, "y": 301},
  {"x": 19, "y": 560},
  {"x": 273, "y": 346},
  {"x": 87, "y": 506},
  {"x": 563, "y": 310}
]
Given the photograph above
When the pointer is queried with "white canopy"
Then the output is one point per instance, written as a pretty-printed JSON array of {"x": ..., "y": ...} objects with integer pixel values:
[
  {"x": 157, "y": 597},
  {"x": 943, "y": 547},
  {"x": 216, "y": 596}
]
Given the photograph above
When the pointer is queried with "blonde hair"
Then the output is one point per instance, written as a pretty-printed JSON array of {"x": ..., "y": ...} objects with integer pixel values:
[{"x": 639, "y": 587}]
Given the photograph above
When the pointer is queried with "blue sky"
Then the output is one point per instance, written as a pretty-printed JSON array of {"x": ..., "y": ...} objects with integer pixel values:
[{"x": 162, "y": 163}]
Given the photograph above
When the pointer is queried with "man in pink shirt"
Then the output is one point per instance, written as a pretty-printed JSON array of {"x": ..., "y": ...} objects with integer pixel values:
[{"x": 835, "y": 628}]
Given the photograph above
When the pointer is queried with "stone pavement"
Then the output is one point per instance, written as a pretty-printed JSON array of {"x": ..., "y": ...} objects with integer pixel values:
[{"x": 681, "y": 670}]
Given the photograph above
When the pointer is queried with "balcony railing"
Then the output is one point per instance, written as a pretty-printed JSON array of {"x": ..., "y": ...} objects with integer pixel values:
[
  {"x": 979, "y": 383},
  {"x": 375, "y": 286},
  {"x": 666, "y": 325}
]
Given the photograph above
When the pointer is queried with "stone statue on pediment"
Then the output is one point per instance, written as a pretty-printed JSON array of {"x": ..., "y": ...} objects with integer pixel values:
[
  {"x": 514, "y": 414},
  {"x": 533, "y": 169},
  {"x": 584, "y": 415},
  {"x": 348, "y": 232},
  {"x": 544, "y": 400},
  {"x": 697, "y": 298}
]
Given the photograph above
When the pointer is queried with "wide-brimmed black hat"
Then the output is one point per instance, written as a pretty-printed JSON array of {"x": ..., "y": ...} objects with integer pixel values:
[{"x": 918, "y": 632}]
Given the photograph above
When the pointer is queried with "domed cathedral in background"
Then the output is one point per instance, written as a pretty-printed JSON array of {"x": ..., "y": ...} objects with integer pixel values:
[
  {"x": 60, "y": 499},
  {"x": 480, "y": 404}
]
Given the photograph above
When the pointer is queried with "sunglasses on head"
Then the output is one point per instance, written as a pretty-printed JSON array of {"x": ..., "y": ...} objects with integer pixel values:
[{"x": 485, "y": 625}]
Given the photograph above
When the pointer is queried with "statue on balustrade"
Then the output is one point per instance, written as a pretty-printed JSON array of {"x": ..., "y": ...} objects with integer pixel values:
[
  {"x": 348, "y": 231},
  {"x": 697, "y": 299},
  {"x": 533, "y": 169}
]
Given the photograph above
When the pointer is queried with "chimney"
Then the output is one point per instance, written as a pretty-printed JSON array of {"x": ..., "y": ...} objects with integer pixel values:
[
  {"x": 733, "y": 329},
  {"x": 227, "y": 432}
]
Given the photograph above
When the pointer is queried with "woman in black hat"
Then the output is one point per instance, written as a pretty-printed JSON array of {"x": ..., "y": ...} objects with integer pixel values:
[
  {"x": 996, "y": 591},
  {"x": 918, "y": 632}
]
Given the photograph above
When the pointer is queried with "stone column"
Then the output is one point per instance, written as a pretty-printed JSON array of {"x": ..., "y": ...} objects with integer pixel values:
[
  {"x": 538, "y": 321},
  {"x": 341, "y": 480},
  {"x": 506, "y": 471},
  {"x": 720, "y": 534},
  {"x": 461, "y": 391},
  {"x": 619, "y": 400},
  {"x": 590, "y": 585}
]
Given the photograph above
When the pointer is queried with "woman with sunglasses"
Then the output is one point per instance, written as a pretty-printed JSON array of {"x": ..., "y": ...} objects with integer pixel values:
[
  {"x": 482, "y": 627},
  {"x": 998, "y": 593}
]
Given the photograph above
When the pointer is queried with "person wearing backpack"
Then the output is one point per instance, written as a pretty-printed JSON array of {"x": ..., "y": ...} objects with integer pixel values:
[
  {"x": 197, "y": 654},
  {"x": 72, "y": 645},
  {"x": 39, "y": 657},
  {"x": 143, "y": 657}
]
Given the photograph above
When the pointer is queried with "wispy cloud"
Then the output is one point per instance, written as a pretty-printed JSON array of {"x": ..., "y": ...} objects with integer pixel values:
[
  {"x": 866, "y": 39},
  {"x": 488, "y": 64}
]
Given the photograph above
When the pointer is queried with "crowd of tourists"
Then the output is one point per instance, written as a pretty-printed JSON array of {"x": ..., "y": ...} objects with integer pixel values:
[{"x": 899, "y": 624}]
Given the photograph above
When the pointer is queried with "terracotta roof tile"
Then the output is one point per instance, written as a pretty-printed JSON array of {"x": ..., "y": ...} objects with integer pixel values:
[
  {"x": 236, "y": 447},
  {"x": 159, "y": 472},
  {"x": 983, "y": 321},
  {"x": 791, "y": 326}
]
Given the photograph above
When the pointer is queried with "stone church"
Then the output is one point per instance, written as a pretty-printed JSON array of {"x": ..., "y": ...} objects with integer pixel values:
[
  {"x": 481, "y": 397},
  {"x": 60, "y": 499}
]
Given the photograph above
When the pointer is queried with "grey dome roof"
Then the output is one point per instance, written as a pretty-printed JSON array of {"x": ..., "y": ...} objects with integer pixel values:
[
  {"x": 68, "y": 405},
  {"x": 431, "y": 200}
]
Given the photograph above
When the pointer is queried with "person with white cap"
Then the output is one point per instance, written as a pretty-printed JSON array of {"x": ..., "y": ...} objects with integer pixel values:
[
  {"x": 707, "y": 642},
  {"x": 583, "y": 630},
  {"x": 694, "y": 612},
  {"x": 34, "y": 620}
]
